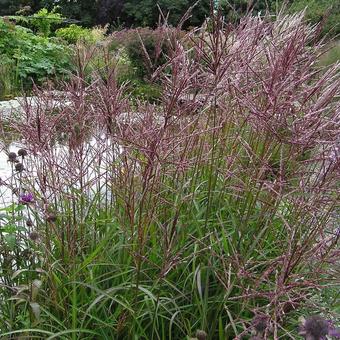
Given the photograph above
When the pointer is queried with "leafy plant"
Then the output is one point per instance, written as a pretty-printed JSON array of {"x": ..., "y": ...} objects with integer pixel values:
[
  {"x": 326, "y": 12},
  {"x": 9, "y": 83},
  {"x": 43, "y": 20},
  {"x": 74, "y": 33},
  {"x": 145, "y": 91},
  {"x": 32, "y": 56},
  {"x": 146, "y": 48}
]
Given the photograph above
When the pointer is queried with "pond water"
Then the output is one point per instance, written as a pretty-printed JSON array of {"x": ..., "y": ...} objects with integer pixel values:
[
  {"x": 8, "y": 109},
  {"x": 96, "y": 157}
]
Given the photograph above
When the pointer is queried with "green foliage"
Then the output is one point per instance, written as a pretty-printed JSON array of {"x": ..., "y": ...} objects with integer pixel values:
[
  {"x": 132, "y": 13},
  {"x": 332, "y": 55},
  {"x": 43, "y": 20},
  {"x": 234, "y": 10},
  {"x": 145, "y": 91},
  {"x": 74, "y": 33},
  {"x": 84, "y": 11},
  {"x": 326, "y": 11},
  {"x": 145, "y": 48},
  {"x": 11, "y": 7},
  {"x": 146, "y": 12},
  {"x": 32, "y": 56},
  {"x": 8, "y": 77}
]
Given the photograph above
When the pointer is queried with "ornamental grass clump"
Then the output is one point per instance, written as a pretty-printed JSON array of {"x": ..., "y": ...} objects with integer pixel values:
[{"x": 213, "y": 207}]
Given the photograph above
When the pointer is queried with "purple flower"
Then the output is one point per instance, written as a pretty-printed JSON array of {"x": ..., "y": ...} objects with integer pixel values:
[
  {"x": 333, "y": 331},
  {"x": 26, "y": 198},
  {"x": 337, "y": 232},
  {"x": 316, "y": 328}
]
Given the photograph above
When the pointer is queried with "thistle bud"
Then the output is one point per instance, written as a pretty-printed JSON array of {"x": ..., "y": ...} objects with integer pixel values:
[
  {"x": 315, "y": 327},
  {"x": 51, "y": 217},
  {"x": 34, "y": 236},
  {"x": 19, "y": 167},
  {"x": 260, "y": 323},
  {"x": 22, "y": 152},
  {"x": 201, "y": 335},
  {"x": 12, "y": 156}
]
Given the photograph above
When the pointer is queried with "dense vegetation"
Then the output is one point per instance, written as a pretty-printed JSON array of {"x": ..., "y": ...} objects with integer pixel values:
[
  {"x": 25, "y": 56},
  {"x": 34, "y": 40},
  {"x": 208, "y": 210},
  {"x": 43, "y": 52},
  {"x": 135, "y": 13},
  {"x": 180, "y": 182}
]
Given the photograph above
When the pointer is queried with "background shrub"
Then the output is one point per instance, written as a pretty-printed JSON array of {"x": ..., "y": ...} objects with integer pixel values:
[
  {"x": 35, "y": 57},
  {"x": 74, "y": 33},
  {"x": 9, "y": 83},
  {"x": 135, "y": 13},
  {"x": 43, "y": 21},
  {"x": 145, "y": 47},
  {"x": 325, "y": 11}
]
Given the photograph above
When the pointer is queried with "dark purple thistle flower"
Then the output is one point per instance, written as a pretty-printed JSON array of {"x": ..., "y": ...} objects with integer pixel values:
[
  {"x": 51, "y": 217},
  {"x": 33, "y": 235},
  {"x": 333, "y": 332},
  {"x": 12, "y": 156},
  {"x": 19, "y": 167},
  {"x": 337, "y": 232},
  {"x": 260, "y": 323},
  {"x": 26, "y": 198},
  {"x": 22, "y": 152},
  {"x": 317, "y": 328}
]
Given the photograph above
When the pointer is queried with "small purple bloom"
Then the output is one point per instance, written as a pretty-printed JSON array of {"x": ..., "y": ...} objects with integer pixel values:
[
  {"x": 337, "y": 232},
  {"x": 26, "y": 198},
  {"x": 333, "y": 331},
  {"x": 317, "y": 328}
]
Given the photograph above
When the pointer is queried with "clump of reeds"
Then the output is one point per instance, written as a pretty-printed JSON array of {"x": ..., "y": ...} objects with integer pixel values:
[{"x": 194, "y": 213}]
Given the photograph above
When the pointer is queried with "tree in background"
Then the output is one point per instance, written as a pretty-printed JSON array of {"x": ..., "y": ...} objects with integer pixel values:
[
  {"x": 128, "y": 13},
  {"x": 83, "y": 11},
  {"x": 146, "y": 12},
  {"x": 234, "y": 10},
  {"x": 10, "y": 7},
  {"x": 109, "y": 11},
  {"x": 134, "y": 13},
  {"x": 326, "y": 11}
]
